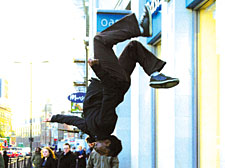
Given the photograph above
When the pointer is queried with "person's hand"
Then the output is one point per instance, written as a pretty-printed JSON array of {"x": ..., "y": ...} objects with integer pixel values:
[
  {"x": 92, "y": 62},
  {"x": 47, "y": 119}
]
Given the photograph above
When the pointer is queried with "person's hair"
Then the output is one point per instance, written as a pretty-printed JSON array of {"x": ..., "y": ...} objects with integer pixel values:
[
  {"x": 115, "y": 147},
  {"x": 51, "y": 153},
  {"x": 80, "y": 147},
  {"x": 5, "y": 152},
  {"x": 38, "y": 149},
  {"x": 67, "y": 144}
]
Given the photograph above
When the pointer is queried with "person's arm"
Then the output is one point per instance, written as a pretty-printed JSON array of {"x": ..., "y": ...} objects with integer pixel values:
[
  {"x": 70, "y": 120},
  {"x": 115, "y": 162},
  {"x": 90, "y": 161},
  {"x": 32, "y": 158}
]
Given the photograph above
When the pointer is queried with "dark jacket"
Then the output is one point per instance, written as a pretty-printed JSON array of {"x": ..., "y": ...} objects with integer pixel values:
[
  {"x": 50, "y": 163},
  {"x": 81, "y": 155},
  {"x": 67, "y": 161},
  {"x": 6, "y": 159},
  {"x": 99, "y": 105}
]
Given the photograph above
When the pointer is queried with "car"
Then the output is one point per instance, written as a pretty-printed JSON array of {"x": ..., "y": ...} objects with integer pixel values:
[
  {"x": 18, "y": 154},
  {"x": 13, "y": 154},
  {"x": 10, "y": 154}
]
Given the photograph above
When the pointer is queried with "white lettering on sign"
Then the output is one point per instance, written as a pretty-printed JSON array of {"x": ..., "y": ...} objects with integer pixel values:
[
  {"x": 154, "y": 5},
  {"x": 75, "y": 98},
  {"x": 104, "y": 22},
  {"x": 107, "y": 23}
]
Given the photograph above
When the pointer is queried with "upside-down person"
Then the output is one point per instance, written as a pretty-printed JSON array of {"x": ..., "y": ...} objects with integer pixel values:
[{"x": 107, "y": 92}]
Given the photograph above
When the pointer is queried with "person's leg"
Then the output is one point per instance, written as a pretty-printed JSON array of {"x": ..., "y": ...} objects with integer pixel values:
[
  {"x": 111, "y": 84},
  {"x": 124, "y": 29},
  {"x": 136, "y": 52}
]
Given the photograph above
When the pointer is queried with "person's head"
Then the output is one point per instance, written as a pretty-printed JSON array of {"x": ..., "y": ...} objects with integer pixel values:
[
  {"x": 5, "y": 152},
  {"x": 47, "y": 152},
  {"x": 91, "y": 145},
  {"x": 73, "y": 148},
  {"x": 66, "y": 148},
  {"x": 37, "y": 149},
  {"x": 110, "y": 147},
  {"x": 80, "y": 148}
]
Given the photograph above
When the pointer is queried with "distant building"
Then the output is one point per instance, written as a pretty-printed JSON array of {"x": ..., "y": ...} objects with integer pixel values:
[
  {"x": 5, "y": 110},
  {"x": 22, "y": 133},
  {"x": 5, "y": 121}
]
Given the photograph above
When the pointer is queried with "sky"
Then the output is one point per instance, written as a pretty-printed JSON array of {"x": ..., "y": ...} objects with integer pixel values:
[{"x": 49, "y": 34}]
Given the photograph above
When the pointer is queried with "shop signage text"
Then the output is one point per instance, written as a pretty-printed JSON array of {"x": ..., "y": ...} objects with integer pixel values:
[
  {"x": 106, "y": 18},
  {"x": 77, "y": 97},
  {"x": 155, "y": 5}
]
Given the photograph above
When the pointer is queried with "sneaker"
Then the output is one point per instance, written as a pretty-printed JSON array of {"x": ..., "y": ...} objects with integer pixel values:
[
  {"x": 163, "y": 81},
  {"x": 146, "y": 21}
]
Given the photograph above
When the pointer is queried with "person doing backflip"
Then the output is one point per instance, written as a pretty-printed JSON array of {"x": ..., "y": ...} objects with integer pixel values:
[{"x": 106, "y": 93}]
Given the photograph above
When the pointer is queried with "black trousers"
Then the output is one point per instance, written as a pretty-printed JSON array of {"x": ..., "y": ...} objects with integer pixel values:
[{"x": 121, "y": 68}]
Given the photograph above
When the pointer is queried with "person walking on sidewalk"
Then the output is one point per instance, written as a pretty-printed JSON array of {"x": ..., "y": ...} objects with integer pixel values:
[
  {"x": 6, "y": 158},
  {"x": 36, "y": 158},
  {"x": 48, "y": 158},
  {"x": 100, "y": 161},
  {"x": 67, "y": 159}
]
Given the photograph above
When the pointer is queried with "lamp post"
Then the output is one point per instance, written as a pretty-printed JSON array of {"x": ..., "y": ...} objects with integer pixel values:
[
  {"x": 31, "y": 139},
  {"x": 31, "y": 122}
]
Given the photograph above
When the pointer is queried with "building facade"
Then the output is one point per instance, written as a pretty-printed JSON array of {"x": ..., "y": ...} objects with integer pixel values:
[
  {"x": 22, "y": 133},
  {"x": 5, "y": 110},
  {"x": 182, "y": 126},
  {"x": 5, "y": 121}
]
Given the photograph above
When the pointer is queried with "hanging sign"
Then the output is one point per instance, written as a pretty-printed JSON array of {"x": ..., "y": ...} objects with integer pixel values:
[
  {"x": 77, "y": 97},
  {"x": 106, "y": 18}
]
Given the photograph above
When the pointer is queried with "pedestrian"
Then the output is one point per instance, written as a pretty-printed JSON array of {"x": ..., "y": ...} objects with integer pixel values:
[
  {"x": 73, "y": 149},
  {"x": 100, "y": 161},
  {"x": 48, "y": 158},
  {"x": 81, "y": 155},
  {"x": 67, "y": 159},
  {"x": 2, "y": 164},
  {"x": 106, "y": 93},
  {"x": 90, "y": 149},
  {"x": 6, "y": 159},
  {"x": 36, "y": 158},
  {"x": 59, "y": 152}
]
